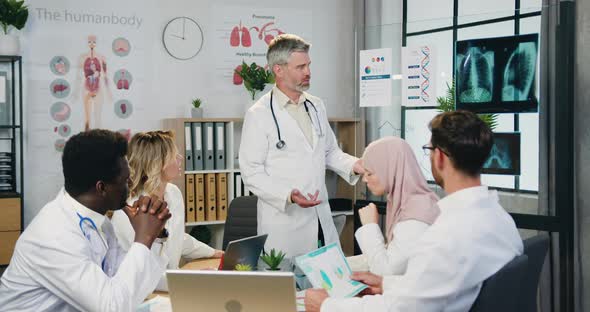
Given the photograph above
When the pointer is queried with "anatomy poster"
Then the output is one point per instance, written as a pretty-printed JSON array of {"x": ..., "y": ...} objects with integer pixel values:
[
  {"x": 85, "y": 67},
  {"x": 419, "y": 73},
  {"x": 242, "y": 34},
  {"x": 375, "y": 68}
]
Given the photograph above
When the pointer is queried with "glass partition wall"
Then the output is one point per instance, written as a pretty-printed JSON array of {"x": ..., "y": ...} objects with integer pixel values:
[{"x": 528, "y": 194}]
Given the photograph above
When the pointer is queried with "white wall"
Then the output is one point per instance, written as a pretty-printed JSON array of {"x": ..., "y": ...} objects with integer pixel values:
[{"x": 172, "y": 84}]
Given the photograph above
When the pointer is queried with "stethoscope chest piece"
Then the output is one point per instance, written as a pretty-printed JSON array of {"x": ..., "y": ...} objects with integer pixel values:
[{"x": 281, "y": 143}]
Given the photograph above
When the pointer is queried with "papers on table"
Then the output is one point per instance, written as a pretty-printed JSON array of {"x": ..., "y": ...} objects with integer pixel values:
[{"x": 327, "y": 268}]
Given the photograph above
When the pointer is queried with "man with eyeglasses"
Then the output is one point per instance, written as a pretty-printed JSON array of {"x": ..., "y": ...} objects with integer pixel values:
[{"x": 472, "y": 238}]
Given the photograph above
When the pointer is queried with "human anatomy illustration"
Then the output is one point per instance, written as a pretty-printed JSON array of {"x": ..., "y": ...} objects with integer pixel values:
[
  {"x": 242, "y": 36},
  {"x": 92, "y": 70}
]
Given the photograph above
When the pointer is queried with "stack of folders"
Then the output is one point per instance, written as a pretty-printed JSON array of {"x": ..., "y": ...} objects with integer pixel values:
[
  {"x": 206, "y": 197},
  {"x": 240, "y": 188},
  {"x": 6, "y": 174},
  {"x": 204, "y": 146}
]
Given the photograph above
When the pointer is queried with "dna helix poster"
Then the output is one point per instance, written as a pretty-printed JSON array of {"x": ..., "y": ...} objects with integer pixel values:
[{"x": 419, "y": 76}]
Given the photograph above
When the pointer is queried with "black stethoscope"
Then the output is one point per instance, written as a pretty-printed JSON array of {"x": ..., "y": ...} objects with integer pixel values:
[{"x": 281, "y": 143}]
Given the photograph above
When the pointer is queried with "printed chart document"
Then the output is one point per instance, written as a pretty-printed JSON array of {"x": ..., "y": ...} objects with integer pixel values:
[{"x": 327, "y": 268}]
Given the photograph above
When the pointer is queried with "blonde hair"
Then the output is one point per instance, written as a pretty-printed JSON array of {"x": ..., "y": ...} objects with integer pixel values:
[{"x": 148, "y": 154}]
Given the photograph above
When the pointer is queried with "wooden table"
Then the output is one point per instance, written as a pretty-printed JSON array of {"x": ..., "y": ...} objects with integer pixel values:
[
  {"x": 202, "y": 264},
  {"x": 199, "y": 264}
]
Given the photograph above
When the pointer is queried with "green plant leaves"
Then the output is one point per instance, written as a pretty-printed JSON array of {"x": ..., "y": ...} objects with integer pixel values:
[
  {"x": 243, "y": 267},
  {"x": 197, "y": 103},
  {"x": 274, "y": 259},
  {"x": 13, "y": 13},
  {"x": 255, "y": 77}
]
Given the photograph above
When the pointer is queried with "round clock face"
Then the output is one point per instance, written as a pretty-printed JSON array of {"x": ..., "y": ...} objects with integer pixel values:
[{"x": 182, "y": 38}]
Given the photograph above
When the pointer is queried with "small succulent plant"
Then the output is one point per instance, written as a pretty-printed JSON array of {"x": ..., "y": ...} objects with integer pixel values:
[
  {"x": 197, "y": 103},
  {"x": 243, "y": 267},
  {"x": 273, "y": 259}
]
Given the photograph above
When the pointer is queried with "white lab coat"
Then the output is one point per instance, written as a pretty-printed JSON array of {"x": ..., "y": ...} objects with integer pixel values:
[
  {"x": 179, "y": 244},
  {"x": 272, "y": 174},
  {"x": 472, "y": 238},
  {"x": 386, "y": 259},
  {"x": 55, "y": 267}
]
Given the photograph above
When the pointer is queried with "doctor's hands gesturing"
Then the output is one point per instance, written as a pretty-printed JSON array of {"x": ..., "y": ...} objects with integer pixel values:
[
  {"x": 147, "y": 216},
  {"x": 305, "y": 202}
]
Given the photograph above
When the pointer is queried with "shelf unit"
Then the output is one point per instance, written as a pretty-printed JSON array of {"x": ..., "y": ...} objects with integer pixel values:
[
  {"x": 11, "y": 141},
  {"x": 178, "y": 126}
]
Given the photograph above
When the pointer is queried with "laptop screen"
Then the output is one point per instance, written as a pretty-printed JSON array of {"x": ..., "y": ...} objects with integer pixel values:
[{"x": 243, "y": 251}]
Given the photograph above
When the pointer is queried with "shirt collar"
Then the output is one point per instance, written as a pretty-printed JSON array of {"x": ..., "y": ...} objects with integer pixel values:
[
  {"x": 465, "y": 196},
  {"x": 84, "y": 211},
  {"x": 283, "y": 100}
]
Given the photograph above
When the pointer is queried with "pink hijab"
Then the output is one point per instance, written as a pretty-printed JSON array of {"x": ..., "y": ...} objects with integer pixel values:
[{"x": 408, "y": 194}]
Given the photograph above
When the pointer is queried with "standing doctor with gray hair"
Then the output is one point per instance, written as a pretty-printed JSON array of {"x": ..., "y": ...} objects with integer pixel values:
[{"x": 287, "y": 145}]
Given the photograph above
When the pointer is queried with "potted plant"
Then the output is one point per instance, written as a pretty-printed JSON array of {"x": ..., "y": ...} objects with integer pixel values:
[
  {"x": 255, "y": 77},
  {"x": 273, "y": 259},
  {"x": 243, "y": 267},
  {"x": 12, "y": 13},
  {"x": 447, "y": 104},
  {"x": 197, "y": 110}
]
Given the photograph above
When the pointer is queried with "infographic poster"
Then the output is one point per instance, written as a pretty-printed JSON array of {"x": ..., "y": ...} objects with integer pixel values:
[{"x": 375, "y": 78}]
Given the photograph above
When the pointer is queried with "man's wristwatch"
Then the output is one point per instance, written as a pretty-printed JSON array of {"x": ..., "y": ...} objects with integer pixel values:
[{"x": 163, "y": 237}]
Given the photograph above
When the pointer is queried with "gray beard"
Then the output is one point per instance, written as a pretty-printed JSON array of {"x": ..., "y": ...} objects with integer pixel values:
[{"x": 302, "y": 88}]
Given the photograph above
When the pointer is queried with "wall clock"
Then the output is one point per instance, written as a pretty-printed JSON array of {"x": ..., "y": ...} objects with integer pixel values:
[{"x": 182, "y": 38}]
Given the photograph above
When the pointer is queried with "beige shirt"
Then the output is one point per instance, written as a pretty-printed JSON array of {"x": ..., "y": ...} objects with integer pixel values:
[{"x": 297, "y": 111}]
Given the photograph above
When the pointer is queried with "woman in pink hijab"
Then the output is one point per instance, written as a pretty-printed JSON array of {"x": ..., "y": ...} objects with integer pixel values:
[{"x": 391, "y": 168}]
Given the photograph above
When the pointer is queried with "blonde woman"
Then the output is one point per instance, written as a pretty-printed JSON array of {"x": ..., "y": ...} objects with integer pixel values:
[{"x": 154, "y": 162}]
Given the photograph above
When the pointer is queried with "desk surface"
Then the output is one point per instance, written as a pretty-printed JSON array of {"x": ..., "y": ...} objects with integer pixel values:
[
  {"x": 202, "y": 264},
  {"x": 198, "y": 264}
]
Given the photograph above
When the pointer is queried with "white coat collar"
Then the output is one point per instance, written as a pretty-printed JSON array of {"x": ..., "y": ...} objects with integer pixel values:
[
  {"x": 466, "y": 196},
  {"x": 283, "y": 100},
  {"x": 83, "y": 210}
]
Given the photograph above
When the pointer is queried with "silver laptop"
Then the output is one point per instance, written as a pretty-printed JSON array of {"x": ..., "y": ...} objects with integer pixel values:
[
  {"x": 231, "y": 291},
  {"x": 243, "y": 251}
]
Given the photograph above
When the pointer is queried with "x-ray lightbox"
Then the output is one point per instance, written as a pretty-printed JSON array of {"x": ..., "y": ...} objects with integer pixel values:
[
  {"x": 505, "y": 155},
  {"x": 497, "y": 75}
]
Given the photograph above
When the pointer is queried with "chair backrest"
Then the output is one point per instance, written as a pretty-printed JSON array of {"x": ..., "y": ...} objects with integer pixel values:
[
  {"x": 241, "y": 219},
  {"x": 536, "y": 249},
  {"x": 501, "y": 291}
]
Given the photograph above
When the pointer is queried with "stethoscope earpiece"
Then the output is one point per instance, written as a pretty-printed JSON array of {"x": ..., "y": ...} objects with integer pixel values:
[{"x": 281, "y": 144}]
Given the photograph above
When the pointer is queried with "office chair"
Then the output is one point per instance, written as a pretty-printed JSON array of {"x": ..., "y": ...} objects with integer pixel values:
[
  {"x": 501, "y": 291},
  {"x": 241, "y": 219},
  {"x": 536, "y": 250}
]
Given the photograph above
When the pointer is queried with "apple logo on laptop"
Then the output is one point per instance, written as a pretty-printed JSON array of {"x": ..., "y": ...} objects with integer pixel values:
[{"x": 233, "y": 306}]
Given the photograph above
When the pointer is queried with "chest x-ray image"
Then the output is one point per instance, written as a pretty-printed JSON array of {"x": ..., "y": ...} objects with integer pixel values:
[
  {"x": 519, "y": 72},
  {"x": 497, "y": 75},
  {"x": 505, "y": 155},
  {"x": 475, "y": 75}
]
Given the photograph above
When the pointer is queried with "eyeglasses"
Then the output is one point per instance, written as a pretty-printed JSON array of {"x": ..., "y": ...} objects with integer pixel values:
[{"x": 428, "y": 150}]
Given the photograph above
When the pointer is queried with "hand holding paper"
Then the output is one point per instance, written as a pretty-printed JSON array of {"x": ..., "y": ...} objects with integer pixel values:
[{"x": 327, "y": 268}]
